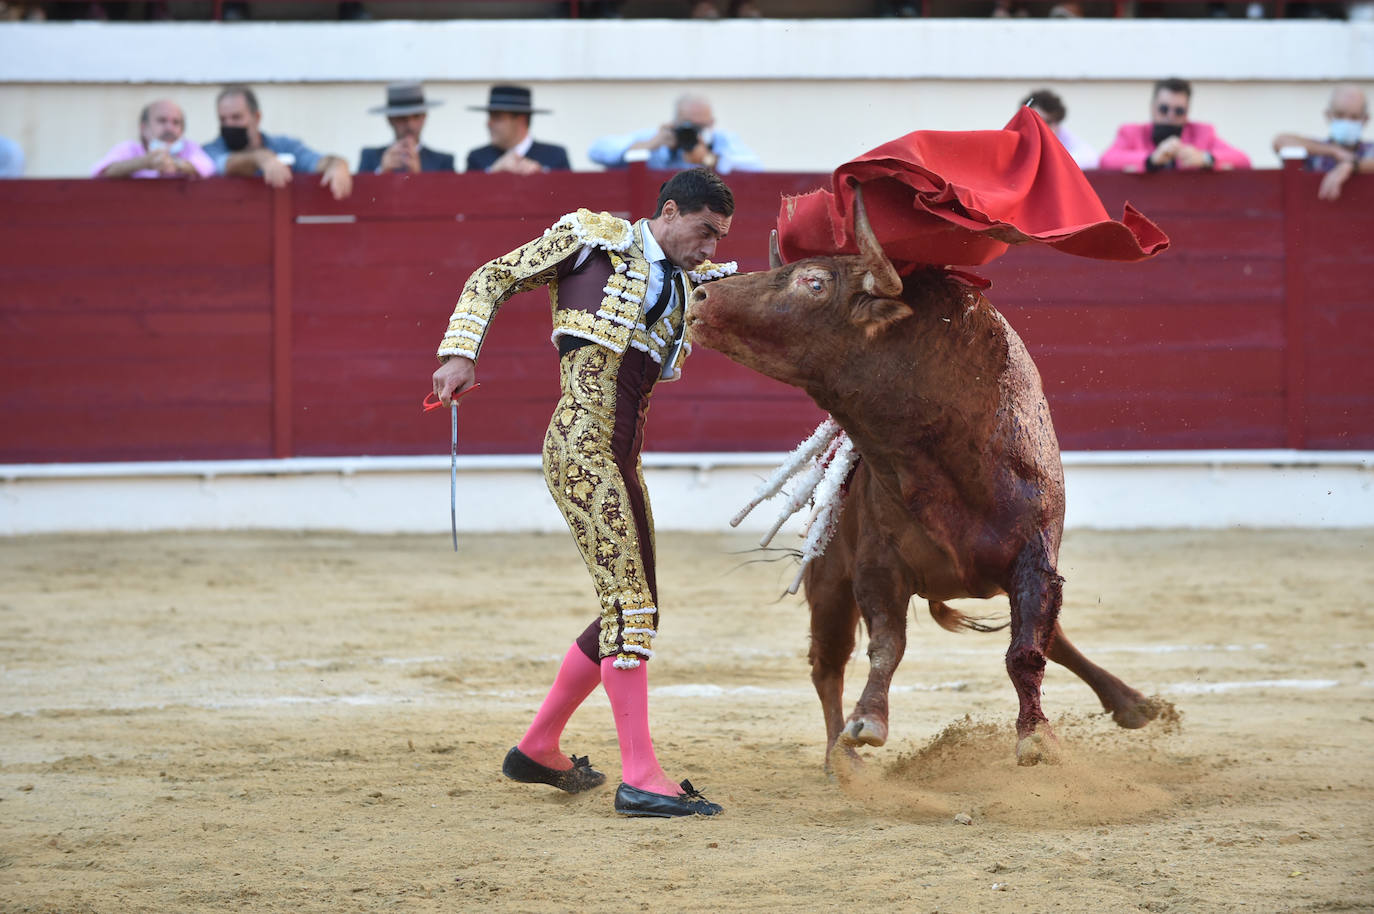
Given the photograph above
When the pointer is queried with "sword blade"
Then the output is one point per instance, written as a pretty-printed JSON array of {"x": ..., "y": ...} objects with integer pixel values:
[{"x": 453, "y": 478}]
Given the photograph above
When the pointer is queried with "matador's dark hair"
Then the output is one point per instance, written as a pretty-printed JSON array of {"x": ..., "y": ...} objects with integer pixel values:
[{"x": 696, "y": 189}]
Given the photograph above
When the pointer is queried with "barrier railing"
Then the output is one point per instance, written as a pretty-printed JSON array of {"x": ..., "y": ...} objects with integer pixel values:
[{"x": 144, "y": 320}]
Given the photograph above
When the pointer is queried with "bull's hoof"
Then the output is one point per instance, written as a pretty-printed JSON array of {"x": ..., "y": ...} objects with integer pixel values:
[
  {"x": 1037, "y": 748},
  {"x": 1138, "y": 713},
  {"x": 863, "y": 731}
]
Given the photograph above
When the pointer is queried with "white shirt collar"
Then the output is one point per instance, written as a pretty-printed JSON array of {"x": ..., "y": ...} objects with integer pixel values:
[
  {"x": 522, "y": 148},
  {"x": 652, "y": 252}
]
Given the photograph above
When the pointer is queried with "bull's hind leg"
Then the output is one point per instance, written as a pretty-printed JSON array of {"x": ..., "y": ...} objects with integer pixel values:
[
  {"x": 1128, "y": 707},
  {"x": 882, "y": 597},
  {"x": 1036, "y": 593},
  {"x": 834, "y": 622}
]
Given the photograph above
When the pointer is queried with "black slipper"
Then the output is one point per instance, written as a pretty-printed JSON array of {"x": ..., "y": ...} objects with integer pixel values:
[
  {"x": 631, "y": 801},
  {"x": 581, "y": 776}
]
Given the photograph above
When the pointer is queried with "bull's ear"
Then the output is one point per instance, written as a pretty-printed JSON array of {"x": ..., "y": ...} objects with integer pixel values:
[
  {"x": 875, "y": 314},
  {"x": 881, "y": 277}
]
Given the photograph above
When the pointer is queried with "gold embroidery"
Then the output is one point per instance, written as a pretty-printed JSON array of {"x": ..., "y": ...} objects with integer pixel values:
[
  {"x": 617, "y": 324},
  {"x": 581, "y": 472}
]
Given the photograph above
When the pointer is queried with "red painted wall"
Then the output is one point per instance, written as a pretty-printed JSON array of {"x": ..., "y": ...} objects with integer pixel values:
[{"x": 220, "y": 319}]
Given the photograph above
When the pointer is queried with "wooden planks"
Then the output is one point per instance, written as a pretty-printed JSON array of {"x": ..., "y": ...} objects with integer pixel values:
[{"x": 167, "y": 320}]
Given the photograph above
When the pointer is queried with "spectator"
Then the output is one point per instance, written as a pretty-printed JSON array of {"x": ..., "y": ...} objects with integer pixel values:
[
  {"x": 1170, "y": 140},
  {"x": 512, "y": 149},
  {"x": 243, "y": 149},
  {"x": 161, "y": 150},
  {"x": 1342, "y": 153},
  {"x": 405, "y": 111},
  {"x": 11, "y": 158},
  {"x": 1051, "y": 109},
  {"x": 689, "y": 139}
]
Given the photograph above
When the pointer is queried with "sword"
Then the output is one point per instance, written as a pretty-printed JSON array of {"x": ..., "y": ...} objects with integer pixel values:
[
  {"x": 453, "y": 477},
  {"x": 433, "y": 402}
]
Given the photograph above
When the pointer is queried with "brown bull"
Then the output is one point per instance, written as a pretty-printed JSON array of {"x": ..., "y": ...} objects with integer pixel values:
[{"x": 959, "y": 491}]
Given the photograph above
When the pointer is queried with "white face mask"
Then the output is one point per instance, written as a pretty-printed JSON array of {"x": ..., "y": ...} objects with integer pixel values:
[
  {"x": 1346, "y": 131},
  {"x": 174, "y": 148}
]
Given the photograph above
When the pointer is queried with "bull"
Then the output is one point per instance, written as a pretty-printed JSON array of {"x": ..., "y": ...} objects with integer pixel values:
[{"x": 958, "y": 491}]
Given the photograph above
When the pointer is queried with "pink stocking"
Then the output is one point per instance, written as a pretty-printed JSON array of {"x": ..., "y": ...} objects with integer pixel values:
[
  {"x": 628, "y": 691},
  {"x": 576, "y": 679}
]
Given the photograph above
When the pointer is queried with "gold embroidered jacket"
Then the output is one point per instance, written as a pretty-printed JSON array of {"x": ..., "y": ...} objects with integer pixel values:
[{"x": 619, "y": 320}]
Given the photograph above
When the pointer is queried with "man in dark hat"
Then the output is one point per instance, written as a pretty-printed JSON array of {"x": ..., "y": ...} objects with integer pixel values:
[
  {"x": 512, "y": 149},
  {"x": 405, "y": 111}
]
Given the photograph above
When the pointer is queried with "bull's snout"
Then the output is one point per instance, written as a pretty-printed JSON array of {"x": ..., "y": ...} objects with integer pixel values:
[{"x": 694, "y": 305}]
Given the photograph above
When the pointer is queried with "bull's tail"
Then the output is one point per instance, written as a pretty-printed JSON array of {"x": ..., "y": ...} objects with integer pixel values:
[{"x": 950, "y": 619}]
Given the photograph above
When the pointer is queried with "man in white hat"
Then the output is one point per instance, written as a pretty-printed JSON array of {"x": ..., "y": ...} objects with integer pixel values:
[
  {"x": 405, "y": 111},
  {"x": 512, "y": 149}
]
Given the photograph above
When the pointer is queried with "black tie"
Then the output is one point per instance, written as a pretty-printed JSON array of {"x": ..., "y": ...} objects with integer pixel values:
[{"x": 664, "y": 297}]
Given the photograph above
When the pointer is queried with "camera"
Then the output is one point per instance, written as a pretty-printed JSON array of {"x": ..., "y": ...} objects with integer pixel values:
[{"x": 687, "y": 136}]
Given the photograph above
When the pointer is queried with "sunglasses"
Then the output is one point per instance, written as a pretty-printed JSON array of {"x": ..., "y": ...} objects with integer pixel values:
[{"x": 1178, "y": 110}]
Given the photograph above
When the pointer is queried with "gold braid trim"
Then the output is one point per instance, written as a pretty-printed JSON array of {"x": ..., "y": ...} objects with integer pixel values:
[
  {"x": 707, "y": 271},
  {"x": 527, "y": 267},
  {"x": 600, "y": 230}
]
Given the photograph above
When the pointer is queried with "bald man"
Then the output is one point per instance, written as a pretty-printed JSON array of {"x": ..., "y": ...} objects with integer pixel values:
[
  {"x": 161, "y": 150},
  {"x": 1342, "y": 153},
  {"x": 689, "y": 139}
]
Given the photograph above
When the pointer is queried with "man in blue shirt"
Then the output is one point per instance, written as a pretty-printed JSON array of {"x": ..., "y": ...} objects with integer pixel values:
[
  {"x": 1341, "y": 153},
  {"x": 690, "y": 139},
  {"x": 243, "y": 149}
]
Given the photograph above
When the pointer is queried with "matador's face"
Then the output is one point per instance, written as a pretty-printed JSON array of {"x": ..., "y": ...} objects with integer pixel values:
[{"x": 689, "y": 238}]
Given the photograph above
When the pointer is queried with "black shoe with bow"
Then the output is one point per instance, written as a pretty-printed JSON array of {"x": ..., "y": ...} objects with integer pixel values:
[
  {"x": 581, "y": 776},
  {"x": 631, "y": 801}
]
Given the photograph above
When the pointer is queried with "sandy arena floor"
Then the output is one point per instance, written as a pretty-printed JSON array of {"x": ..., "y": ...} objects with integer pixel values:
[{"x": 273, "y": 722}]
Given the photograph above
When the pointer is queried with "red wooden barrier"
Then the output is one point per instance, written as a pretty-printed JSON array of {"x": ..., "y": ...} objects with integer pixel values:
[{"x": 219, "y": 319}]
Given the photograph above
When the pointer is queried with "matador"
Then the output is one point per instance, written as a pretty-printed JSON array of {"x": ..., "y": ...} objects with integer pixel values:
[{"x": 618, "y": 292}]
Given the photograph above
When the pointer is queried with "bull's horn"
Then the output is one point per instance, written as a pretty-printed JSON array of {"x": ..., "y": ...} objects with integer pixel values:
[
  {"x": 882, "y": 278},
  {"x": 774, "y": 254}
]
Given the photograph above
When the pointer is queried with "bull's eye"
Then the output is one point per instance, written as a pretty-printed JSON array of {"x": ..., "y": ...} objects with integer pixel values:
[{"x": 815, "y": 284}]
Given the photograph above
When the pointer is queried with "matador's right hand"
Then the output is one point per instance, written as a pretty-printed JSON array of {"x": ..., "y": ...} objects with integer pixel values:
[{"x": 453, "y": 377}]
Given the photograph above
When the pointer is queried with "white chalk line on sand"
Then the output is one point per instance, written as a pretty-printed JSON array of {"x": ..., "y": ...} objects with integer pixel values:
[
  {"x": 1217, "y": 688},
  {"x": 677, "y": 691},
  {"x": 20, "y": 676}
]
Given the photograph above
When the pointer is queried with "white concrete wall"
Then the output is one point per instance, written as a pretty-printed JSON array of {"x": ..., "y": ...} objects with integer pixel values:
[
  {"x": 807, "y": 95},
  {"x": 695, "y": 492}
]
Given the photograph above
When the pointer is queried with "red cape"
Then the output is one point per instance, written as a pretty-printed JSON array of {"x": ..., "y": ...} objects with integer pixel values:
[{"x": 960, "y": 197}]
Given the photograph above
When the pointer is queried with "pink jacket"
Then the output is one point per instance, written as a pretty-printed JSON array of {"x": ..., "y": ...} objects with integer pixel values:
[{"x": 1132, "y": 147}]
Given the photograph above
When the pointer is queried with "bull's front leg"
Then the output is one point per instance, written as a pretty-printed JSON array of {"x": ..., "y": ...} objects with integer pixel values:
[
  {"x": 834, "y": 622},
  {"x": 1036, "y": 593},
  {"x": 882, "y": 597}
]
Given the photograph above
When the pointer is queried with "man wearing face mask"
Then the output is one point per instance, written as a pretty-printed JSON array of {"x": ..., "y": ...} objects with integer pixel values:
[
  {"x": 1342, "y": 153},
  {"x": 1170, "y": 141},
  {"x": 161, "y": 151},
  {"x": 243, "y": 149},
  {"x": 406, "y": 111},
  {"x": 691, "y": 138}
]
